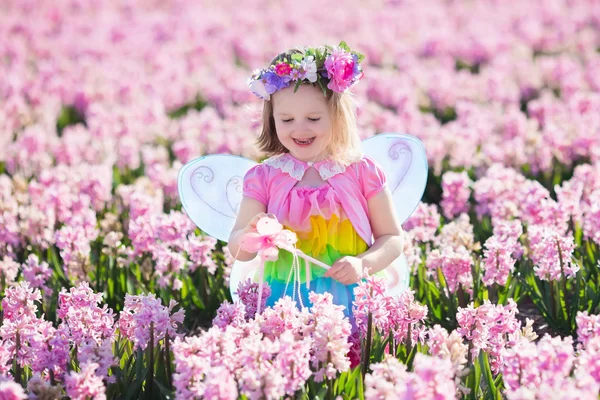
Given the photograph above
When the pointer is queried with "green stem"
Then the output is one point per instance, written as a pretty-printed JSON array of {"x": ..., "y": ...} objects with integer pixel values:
[
  {"x": 168, "y": 361},
  {"x": 367, "y": 352},
  {"x": 17, "y": 366},
  {"x": 150, "y": 376}
]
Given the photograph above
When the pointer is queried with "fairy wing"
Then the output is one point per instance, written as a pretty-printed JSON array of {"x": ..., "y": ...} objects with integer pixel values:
[
  {"x": 404, "y": 161},
  {"x": 211, "y": 190}
]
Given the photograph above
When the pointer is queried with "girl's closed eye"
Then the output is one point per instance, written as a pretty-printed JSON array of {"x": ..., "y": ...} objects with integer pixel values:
[{"x": 310, "y": 119}]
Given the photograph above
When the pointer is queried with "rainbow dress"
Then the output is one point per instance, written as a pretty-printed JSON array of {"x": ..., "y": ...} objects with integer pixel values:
[{"x": 325, "y": 230}]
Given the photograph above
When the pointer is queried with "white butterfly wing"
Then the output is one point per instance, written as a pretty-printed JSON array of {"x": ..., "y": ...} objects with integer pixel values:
[
  {"x": 404, "y": 161},
  {"x": 211, "y": 190}
]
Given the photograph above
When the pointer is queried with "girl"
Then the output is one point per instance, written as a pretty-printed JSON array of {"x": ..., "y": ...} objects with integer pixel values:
[{"x": 317, "y": 183}]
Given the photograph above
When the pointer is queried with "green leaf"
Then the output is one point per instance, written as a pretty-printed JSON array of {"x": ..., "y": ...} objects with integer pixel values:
[
  {"x": 487, "y": 374},
  {"x": 298, "y": 84},
  {"x": 298, "y": 57},
  {"x": 351, "y": 384},
  {"x": 322, "y": 87},
  {"x": 344, "y": 46}
]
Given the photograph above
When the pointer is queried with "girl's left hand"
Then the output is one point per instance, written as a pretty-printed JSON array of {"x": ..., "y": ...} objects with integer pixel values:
[{"x": 346, "y": 270}]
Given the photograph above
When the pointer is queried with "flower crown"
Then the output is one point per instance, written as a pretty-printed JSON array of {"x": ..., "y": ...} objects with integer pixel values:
[{"x": 336, "y": 68}]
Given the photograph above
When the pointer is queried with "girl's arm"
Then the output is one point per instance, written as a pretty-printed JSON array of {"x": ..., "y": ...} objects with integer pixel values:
[
  {"x": 388, "y": 244},
  {"x": 251, "y": 210}
]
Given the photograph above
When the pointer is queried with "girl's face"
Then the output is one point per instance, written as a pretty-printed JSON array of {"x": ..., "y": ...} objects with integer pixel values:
[{"x": 302, "y": 121}]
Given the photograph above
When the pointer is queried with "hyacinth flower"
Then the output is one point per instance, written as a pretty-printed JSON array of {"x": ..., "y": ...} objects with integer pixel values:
[
  {"x": 392, "y": 324},
  {"x": 145, "y": 322},
  {"x": 554, "y": 279}
]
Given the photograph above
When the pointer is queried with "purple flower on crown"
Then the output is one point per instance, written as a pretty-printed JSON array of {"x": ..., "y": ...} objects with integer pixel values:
[{"x": 274, "y": 82}]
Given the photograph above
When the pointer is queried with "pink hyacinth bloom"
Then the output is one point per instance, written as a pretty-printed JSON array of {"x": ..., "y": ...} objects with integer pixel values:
[
  {"x": 551, "y": 253},
  {"x": 284, "y": 315},
  {"x": 549, "y": 363},
  {"x": 432, "y": 379},
  {"x": 456, "y": 192},
  {"x": 8, "y": 270},
  {"x": 230, "y": 314},
  {"x": 200, "y": 251},
  {"x": 588, "y": 360},
  {"x": 498, "y": 262},
  {"x": 10, "y": 390},
  {"x": 85, "y": 384},
  {"x": 142, "y": 312},
  {"x": 37, "y": 274},
  {"x": 330, "y": 333},
  {"x": 18, "y": 304},
  {"x": 195, "y": 356},
  {"x": 248, "y": 295},
  {"x": 220, "y": 385},
  {"x": 5, "y": 358},
  {"x": 450, "y": 347},
  {"x": 457, "y": 234},
  {"x": 79, "y": 309},
  {"x": 423, "y": 222},
  {"x": 490, "y": 328},
  {"x": 100, "y": 354},
  {"x": 293, "y": 361},
  {"x": 455, "y": 265},
  {"x": 591, "y": 220},
  {"x": 588, "y": 326},
  {"x": 509, "y": 232}
]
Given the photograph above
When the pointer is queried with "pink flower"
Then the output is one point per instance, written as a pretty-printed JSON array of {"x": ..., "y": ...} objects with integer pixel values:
[
  {"x": 10, "y": 390},
  {"x": 548, "y": 364},
  {"x": 37, "y": 274},
  {"x": 220, "y": 384},
  {"x": 85, "y": 384},
  {"x": 588, "y": 327},
  {"x": 330, "y": 332},
  {"x": 8, "y": 271},
  {"x": 490, "y": 328},
  {"x": 498, "y": 262},
  {"x": 230, "y": 314},
  {"x": 248, "y": 295},
  {"x": 341, "y": 70},
  {"x": 552, "y": 253},
  {"x": 424, "y": 222},
  {"x": 144, "y": 312},
  {"x": 456, "y": 192},
  {"x": 267, "y": 239},
  {"x": 432, "y": 379},
  {"x": 79, "y": 309},
  {"x": 200, "y": 251},
  {"x": 455, "y": 264},
  {"x": 450, "y": 347},
  {"x": 283, "y": 69}
]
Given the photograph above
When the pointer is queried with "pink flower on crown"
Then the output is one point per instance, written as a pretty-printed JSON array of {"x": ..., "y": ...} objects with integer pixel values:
[
  {"x": 283, "y": 69},
  {"x": 342, "y": 70},
  {"x": 269, "y": 235}
]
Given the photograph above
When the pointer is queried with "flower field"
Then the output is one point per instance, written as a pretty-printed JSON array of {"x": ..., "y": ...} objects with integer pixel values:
[{"x": 109, "y": 291}]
